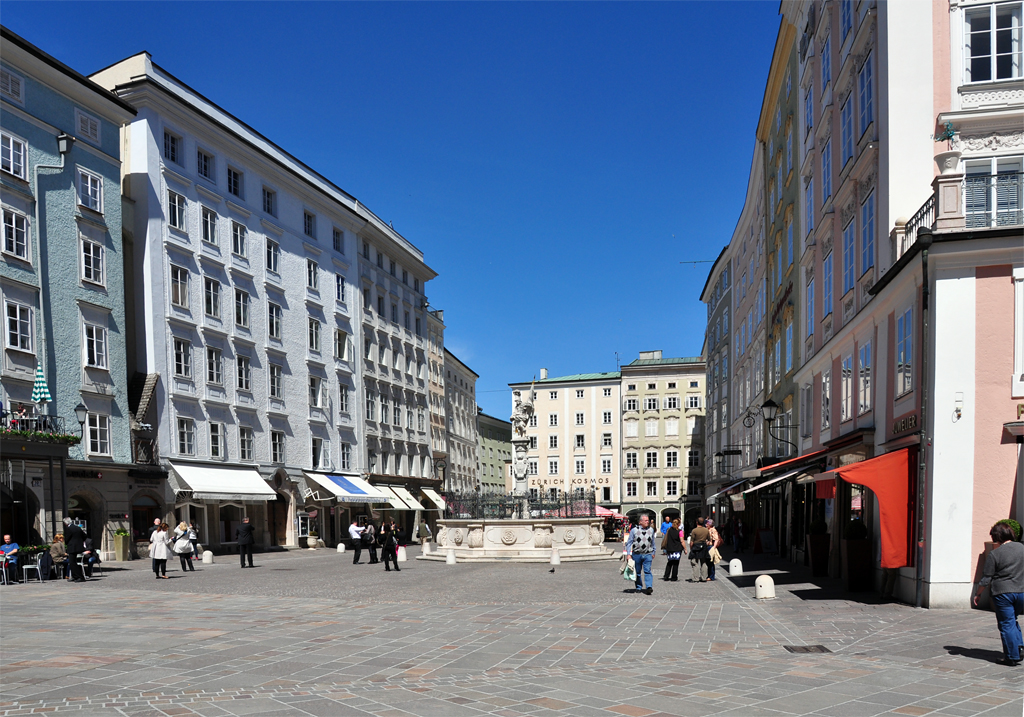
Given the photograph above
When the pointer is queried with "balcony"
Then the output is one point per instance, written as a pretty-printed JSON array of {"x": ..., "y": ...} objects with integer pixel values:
[{"x": 993, "y": 200}]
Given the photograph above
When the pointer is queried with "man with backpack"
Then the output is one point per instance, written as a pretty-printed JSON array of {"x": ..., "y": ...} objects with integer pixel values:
[{"x": 700, "y": 548}]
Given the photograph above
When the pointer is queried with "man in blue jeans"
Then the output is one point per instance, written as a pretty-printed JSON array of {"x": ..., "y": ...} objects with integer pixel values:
[{"x": 640, "y": 546}]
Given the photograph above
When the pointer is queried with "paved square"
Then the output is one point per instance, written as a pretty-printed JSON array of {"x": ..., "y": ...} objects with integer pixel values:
[{"x": 308, "y": 633}]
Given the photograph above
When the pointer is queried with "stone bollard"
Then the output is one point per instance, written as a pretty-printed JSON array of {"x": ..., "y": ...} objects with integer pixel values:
[
  {"x": 764, "y": 588},
  {"x": 341, "y": 547},
  {"x": 207, "y": 557},
  {"x": 402, "y": 557},
  {"x": 556, "y": 559},
  {"x": 735, "y": 566},
  {"x": 450, "y": 558},
  {"x": 426, "y": 547}
]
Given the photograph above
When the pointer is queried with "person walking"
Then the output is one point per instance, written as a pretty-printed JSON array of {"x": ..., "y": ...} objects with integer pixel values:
[
  {"x": 155, "y": 527},
  {"x": 640, "y": 546},
  {"x": 370, "y": 541},
  {"x": 183, "y": 547},
  {"x": 356, "y": 533},
  {"x": 425, "y": 534},
  {"x": 737, "y": 536},
  {"x": 699, "y": 548},
  {"x": 1003, "y": 575},
  {"x": 243, "y": 534},
  {"x": 674, "y": 549},
  {"x": 160, "y": 550},
  {"x": 193, "y": 537},
  {"x": 714, "y": 543},
  {"x": 74, "y": 536},
  {"x": 389, "y": 547}
]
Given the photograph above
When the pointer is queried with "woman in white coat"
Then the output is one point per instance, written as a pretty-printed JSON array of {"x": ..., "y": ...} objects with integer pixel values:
[
  {"x": 183, "y": 546},
  {"x": 160, "y": 550}
]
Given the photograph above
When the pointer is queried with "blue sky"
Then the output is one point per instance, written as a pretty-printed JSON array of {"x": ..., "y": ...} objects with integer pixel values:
[{"x": 554, "y": 161}]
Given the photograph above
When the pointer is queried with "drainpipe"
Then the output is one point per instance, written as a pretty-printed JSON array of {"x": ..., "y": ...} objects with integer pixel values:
[{"x": 924, "y": 238}]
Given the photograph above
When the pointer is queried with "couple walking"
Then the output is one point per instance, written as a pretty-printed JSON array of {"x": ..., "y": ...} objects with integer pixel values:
[{"x": 703, "y": 549}]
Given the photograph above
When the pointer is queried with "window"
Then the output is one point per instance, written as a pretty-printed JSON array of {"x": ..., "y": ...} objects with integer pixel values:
[
  {"x": 694, "y": 384},
  {"x": 204, "y": 165},
  {"x": 579, "y": 418},
  {"x": 846, "y": 131},
  {"x": 789, "y": 346},
  {"x": 316, "y": 386},
  {"x": 789, "y": 150},
  {"x": 631, "y": 387},
  {"x": 826, "y": 63},
  {"x": 394, "y": 313},
  {"x": 826, "y": 285},
  {"x": 864, "y": 379},
  {"x": 245, "y": 443},
  {"x": 380, "y": 306},
  {"x": 606, "y": 393},
  {"x": 312, "y": 275},
  {"x": 631, "y": 404},
  {"x": 309, "y": 224},
  {"x": 552, "y": 419},
  {"x": 211, "y": 298},
  {"x": 12, "y": 156},
  {"x": 845, "y": 17},
  {"x": 313, "y": 334},
  {"x": 867, "y": 229},
  {"x": 789, "y": 239},
  {"x": 270, "y": 202},
  {"x": 339, "y": 240},
  {"x": 531, "y": 467},
  {"x": 826, "y": 400},
  {"x": 809, "y": 204},
  {"x": 176, "y": 210},
  {"x": 993, "y": 192},
  {"x": 651, "y": 403},
  {"x": 606, "y": 465},
  {"x": 651, "y": 489},
  {"x": 672, "y": 403},
  {"x": 671, "y": 488},
  {"x": 671, "y": 426},
  {"x": 217, "y": 440},
  {"x": 242, "y": 308},
  {"x": 214, "y": 366},
  {"x": 371, "y": 406},
  {"x": 533, "y": 443},
  {"x": 808, "y": 113},
  {"x": 631, "y": 488},
  {"x": 88, "y": 126},
  {"x": 581, "y": 441},
  {"x": 179, "y": 286},
  {"x": 12, "y": 86},
  {"x": 631, "y": 460},
  {"x": 606, "y": 418},
  {"x": 826, "y": 172},
  {"x": 186, "y": 436},
  {"x": 340, "y": 345},
  {"x": 581, "y": 466},
  {"x": 810, "y": 307},
  {"x": 846, "y": 389},
  {"x": 276, "y": 380},
  {"x": 867, "y": 105},
  {"x": 552, "y": 466},
  {"x": 16, "y": 234},
  {"x": 693, "y": 458},
  {"x": 243, "y": 372},
  {"x": 651, "y": 427},
  {"x": 273, "y": 255},
  {"x": 235, "y": 183},
  {"x": 693, "y": 401},
  {"x": 904, "y": 352},
  {"x": 172, "y": 147},
  {"x": 533, "y": 421},
  {"x": 182, "y": 358},
  {"x": 553, "y": 395},
  {"x": 579, "y": 393},
  {"x": 90, "y": 190},
  {"x": 346, "y": 456},
  {"x": 606, "y": 440},
  {"x": 671, "y": 459},
  {"x": 274, "y": 315},
  {"x": 343, "y": 398},
  {"x": 552, "y": 441},
  {"x": 993, "y": 43},
  {"x": 277, "y": 446},
  {"x": 95, "y": 346},
  {"x": 651, "y": 459},
  {"x": 238, "y": 234}
]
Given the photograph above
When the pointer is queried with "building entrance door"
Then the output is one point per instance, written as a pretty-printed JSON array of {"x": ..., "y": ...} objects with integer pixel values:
[{"x": 278, "y": 520}]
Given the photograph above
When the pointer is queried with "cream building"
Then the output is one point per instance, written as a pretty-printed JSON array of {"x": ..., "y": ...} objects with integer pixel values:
[
  {"x": 574, "y": 435},
  {"x": 435, "y": 366},
  {"x": 662, "y": 434},
  {"x": 494, "y": 451},
  {"x": 460, "y": 407}
]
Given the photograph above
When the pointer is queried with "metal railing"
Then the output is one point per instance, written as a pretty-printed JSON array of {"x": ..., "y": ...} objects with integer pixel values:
[
  {"x": 994, "y": 200},
  {"x": 33, "y": 423},
  {"x": 478, "y": 506},
  {"x": 925, "y": 217}
]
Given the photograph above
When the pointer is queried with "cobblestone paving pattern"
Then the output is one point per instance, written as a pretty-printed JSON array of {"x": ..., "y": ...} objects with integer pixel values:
[{"x": 308, "y": 633}]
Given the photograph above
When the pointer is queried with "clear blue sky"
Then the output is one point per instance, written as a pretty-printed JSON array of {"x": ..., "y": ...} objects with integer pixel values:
[{"x": 554, "y": 162}]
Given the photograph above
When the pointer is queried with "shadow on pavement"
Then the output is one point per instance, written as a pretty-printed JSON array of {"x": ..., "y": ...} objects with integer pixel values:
[{"x": 975, "y": 653}]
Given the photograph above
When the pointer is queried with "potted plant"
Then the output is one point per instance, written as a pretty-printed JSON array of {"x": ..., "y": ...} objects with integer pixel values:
[
  {"x": 122, "y": 545},
  {"x": 1014, "y": 526},
  {"x": 311, "y": 540},
  {"x": 818, "y": 541},
  {"x": 857, "y": 557}
]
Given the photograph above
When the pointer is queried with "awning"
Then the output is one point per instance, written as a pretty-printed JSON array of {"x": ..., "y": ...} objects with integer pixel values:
[
  {"x": 407, "y": 498},
  {"x": 349, "y": 488},
  {"x": 394, "y": 499},
  {"x": 434, "y": 498},
  {"x": 793, "y": 462},
  {"x": 776, "y": 479},
  {"x": 711, "y": 499},
  {"x": 888, "y": 477},
  {"x": 816, "y": 477},
  {"x": 224, "y": 484}
]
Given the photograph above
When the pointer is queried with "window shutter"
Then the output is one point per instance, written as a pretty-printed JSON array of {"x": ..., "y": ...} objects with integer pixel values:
[
  {"x": 11, "y": 86},
  {"x": 1008, "y": 197},
  {"x": 977, "y": 200}
]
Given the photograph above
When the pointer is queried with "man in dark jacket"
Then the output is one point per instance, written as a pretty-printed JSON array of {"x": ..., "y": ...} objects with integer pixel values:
[
  {"x": 74, "y": 537},
  {"x": 245, "y": 540}
]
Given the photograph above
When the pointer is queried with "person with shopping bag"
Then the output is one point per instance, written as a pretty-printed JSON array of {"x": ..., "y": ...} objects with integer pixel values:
[
  {"x": 640, "y": 547},
  {"x": 714, "y": 543}
]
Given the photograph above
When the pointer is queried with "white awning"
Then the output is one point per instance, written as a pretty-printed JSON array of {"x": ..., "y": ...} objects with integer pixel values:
[
  {"x": 224, "y": 484},
  {"x": 396, "y": 500},
  {"x": 434, "y": 498},
  {"x": 711, "y": 498},
  {"x": 407, "y": 498},
  {"x": 805, "y": 479},
  {"x": 349, "y": 488},
  {"x": 776, "y": 479}
]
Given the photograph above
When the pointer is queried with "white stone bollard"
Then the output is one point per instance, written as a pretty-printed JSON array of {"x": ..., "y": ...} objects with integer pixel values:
[
  {"x": 450, "y": 558},
  {"x": 556, "y": 559},
  {"x": 341, "y": 547},
  {"x": 207, "y": 557},
  {"x": 426, "y": 547},
  {"x": 402, "y": 557},
  {"x": 735, "y": 566},
  {"x": 764, "y": 588}
]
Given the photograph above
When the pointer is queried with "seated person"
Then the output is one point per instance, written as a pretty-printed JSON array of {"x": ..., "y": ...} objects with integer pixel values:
[
  {"x": 59, "y": 554},
  {"x": 90, "y": 557},
  {"x": 10, "y": 553}
]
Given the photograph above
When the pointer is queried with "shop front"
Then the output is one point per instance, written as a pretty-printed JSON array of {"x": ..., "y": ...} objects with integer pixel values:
[{"x": 337, "y": 500}]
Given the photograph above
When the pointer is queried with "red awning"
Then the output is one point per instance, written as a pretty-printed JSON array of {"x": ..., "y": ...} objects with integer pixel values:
[
  {"x": 793, "y": 462},
  {"x": 888, "y": 477}
]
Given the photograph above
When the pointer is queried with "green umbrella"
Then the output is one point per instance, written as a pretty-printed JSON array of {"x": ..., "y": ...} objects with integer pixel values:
[{"x": 40, "y": 392}]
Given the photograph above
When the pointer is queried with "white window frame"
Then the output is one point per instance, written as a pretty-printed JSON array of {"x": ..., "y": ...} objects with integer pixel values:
[
  {"x": 606, "y": 466},
  {"x": 309, "y": 224},
  {"x": 278, "y": 446},
  {"x": 631, "y": 489},
  {"x": 172, "y": 146},
  {"x": 17, "y": 235},
  {"x": 236, "y": 182},
  {"x": 243, "y": 373},
  {"x": 826, "y": 285},
  {"x": 186, "y": 430},
  {"x": 242, "y": 305},
  {"x": 275, "y": 380},
  {"x": 275, "y": 319},
  {"x": 246, "y": 444},
  {"x": 846, "y": 389},
  {"x": 23, "y": 325},
  {"x": 580, "y": 418},
  {"x": 904, "y": 357},
  {"x": 826, "y": 400},
  {"x": 1017, "y": 71},
  {"x": 180, "y": 285},
  {"x": 206, "y": 165},
  {"x": 211, "y": 297},
  {"x": 340, "y": 344},
  {"x": 182, "y": 357},
  {"x": 581, "y": 466},
  {"x": 208, "y": 225},
  {"x": 93, "y": 267},
  {"x": 99, "y": 434},
  {"x": 313, "y": 334},
  {"x": 864, "y": 378},
  {"x": 312, "y": 275},
  {"x": 218, "y": 445},
  {"x": 95, "y": 342},
  {"x": 826, "y": 171},
  {"x": 316, "y": 391},
  {"x": 13, "y": 155},
  {"x": 552, "y": 466},
  {"x": 214, "y": 366},
  {"x": 177, "y": 207},
  {"x": 90, "y": 190}
]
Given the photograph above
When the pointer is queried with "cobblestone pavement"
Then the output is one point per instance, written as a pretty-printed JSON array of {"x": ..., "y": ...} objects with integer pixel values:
[{"x": 308, "y": 633}]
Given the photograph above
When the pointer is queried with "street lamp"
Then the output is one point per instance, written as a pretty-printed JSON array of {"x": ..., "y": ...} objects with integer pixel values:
[
  {"x": 439, "y": 471},
  {"x": 81, "y": 412}
]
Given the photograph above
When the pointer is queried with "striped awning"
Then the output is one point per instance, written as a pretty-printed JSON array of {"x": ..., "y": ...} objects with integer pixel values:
[{"x": 40, "y": 391}]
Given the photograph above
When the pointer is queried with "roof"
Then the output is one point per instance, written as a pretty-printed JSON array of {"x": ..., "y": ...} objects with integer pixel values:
[
  {"x": 489, "y": 417},
  {"x": 462, "y": 363},
  {"x": 574, "y": 377},
  {"x": 665, "y": 361},
  {"x": 714, "y": 267}
]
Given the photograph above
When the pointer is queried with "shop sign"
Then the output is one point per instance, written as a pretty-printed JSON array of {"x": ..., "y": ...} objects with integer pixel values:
[
  {"x": 907, "y": 423},
  {"x": 1020, "y": 410},
  {"x": 94, "y": 475},
  {"x": 739, "y": 504}
]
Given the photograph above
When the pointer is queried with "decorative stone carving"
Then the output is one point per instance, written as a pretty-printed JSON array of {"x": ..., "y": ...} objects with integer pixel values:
[
  {"x": 988, "y": 142},
  {"x": 846, "y": 214},
  {"x": 442, "y": 536},
  {"x": 596, "y": 535},
  {"x": 476, "y": 538},
  {"x": 848, "y": 309},
  {"x": 569, "y": 536},
  {"x": 865, "y": 186},
  {"x": 809, "y": 277},
  {"x": 542, "y": 538},
  {"x": 976, "y": 98},
  {"x": 826, "y": 245},
  {"x": 827, "y": 329},
  {"x": 508, "y": 536},
  {"x": 458, "y": 536}
]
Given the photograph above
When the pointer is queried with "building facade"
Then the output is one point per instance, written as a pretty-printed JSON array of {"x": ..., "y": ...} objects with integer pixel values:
[
  {"x": 495, "y": 451},
  {"x": 717, "y": 294},
  {"x": 574, "y": 440},
  {"x": 663, "y": 435},
  {"x": 460, "y": 410},
  {"x": 62, "y": 290},
  {"x": 436, "y": 391}
]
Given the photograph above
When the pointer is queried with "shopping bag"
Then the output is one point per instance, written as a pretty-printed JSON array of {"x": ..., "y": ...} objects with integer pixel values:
[{"x": 630, "y": 572}]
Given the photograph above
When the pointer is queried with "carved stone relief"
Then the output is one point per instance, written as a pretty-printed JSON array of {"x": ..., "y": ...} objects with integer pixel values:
[
  {"x": 569, "y": 536},
  {"x": 442, "y": 536},
  {"x": 988, "y": 142},
  {"x": 846, "y": 214},
  {"x": 458, "y": 536},
  {"x": 992, "y": 97},
  {"x": 476, "y": 538},
  {"x": 596, "y": 535},
  {"x": 508, "y": 536},
  {"x": 542, "y": 537}
]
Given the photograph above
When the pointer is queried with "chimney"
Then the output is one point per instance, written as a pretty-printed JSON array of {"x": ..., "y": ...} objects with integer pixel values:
[
  {"x": 648, "y": 355},
  {"x": 543, "y": 374}
]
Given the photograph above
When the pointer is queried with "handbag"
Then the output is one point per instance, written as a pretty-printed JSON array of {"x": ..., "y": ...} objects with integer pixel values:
[
  {"x": 630, "y": 572},
  {"x": 698, "y": 551}
]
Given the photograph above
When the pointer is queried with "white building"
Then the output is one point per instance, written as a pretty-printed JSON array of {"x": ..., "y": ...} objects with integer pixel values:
[{"x": 460, "y": 408}]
